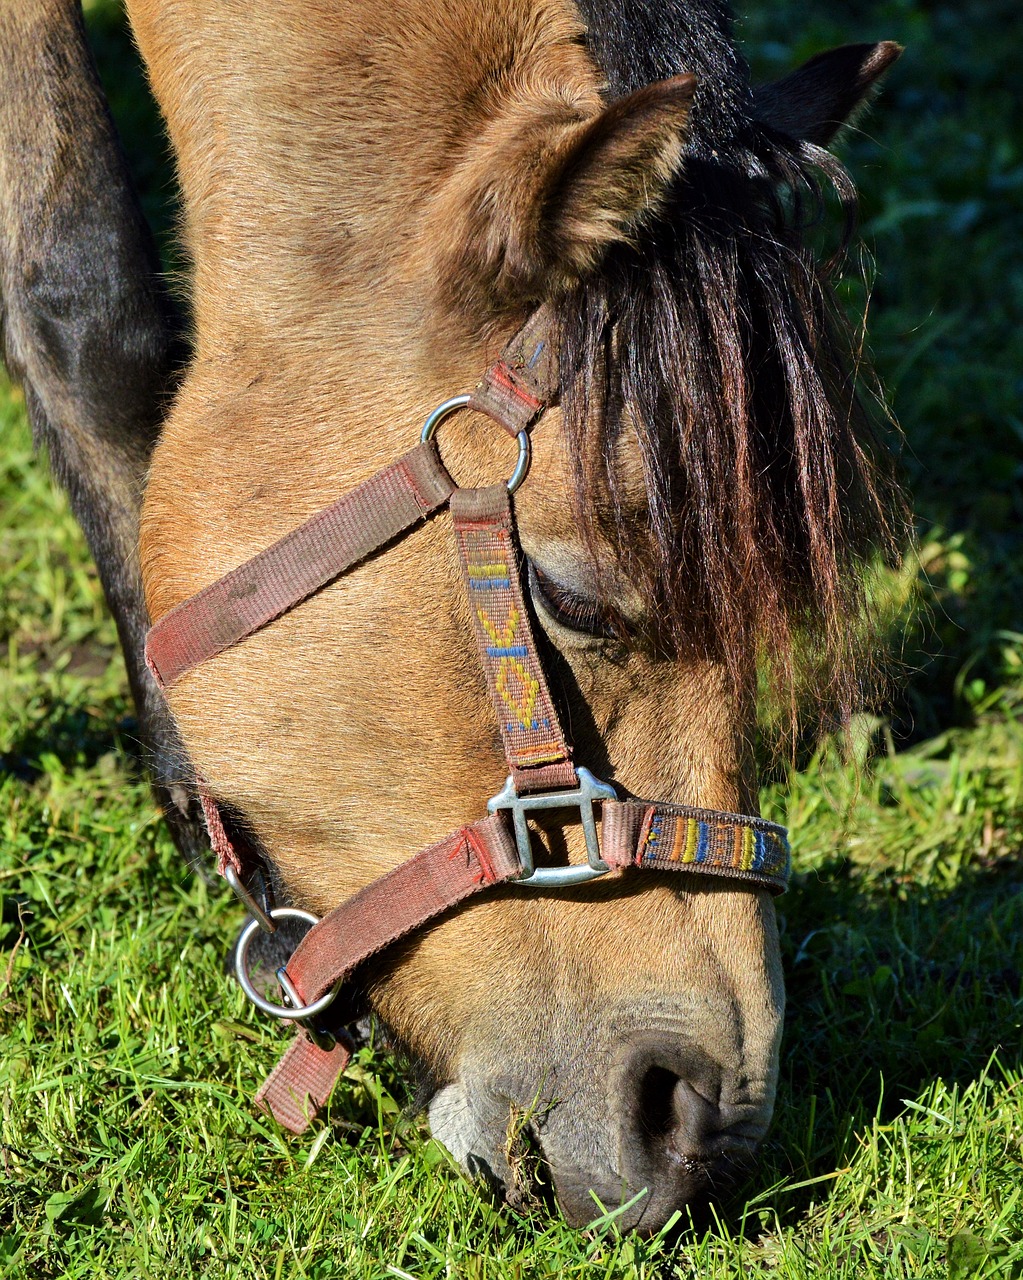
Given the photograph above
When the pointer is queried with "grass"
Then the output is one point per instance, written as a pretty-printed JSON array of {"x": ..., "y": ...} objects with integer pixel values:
[{"x": 127, "y": 1059}]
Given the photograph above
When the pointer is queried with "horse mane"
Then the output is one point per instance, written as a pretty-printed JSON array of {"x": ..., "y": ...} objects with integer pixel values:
[
  {"x": 635, "y": 42},
  {"x": 766, "y": 490}
]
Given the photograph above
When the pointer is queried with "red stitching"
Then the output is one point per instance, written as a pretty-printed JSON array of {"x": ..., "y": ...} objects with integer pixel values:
[
  {"x": 482, "y": 857},
  {"x": 421, "y": 500},
  {"x": 505, "y": 376}
]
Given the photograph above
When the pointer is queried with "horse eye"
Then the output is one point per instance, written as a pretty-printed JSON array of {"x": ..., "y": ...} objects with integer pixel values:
[{"x": 571, "y": 610}]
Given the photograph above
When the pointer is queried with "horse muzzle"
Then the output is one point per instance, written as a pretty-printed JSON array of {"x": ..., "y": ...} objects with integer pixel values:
[{"x": 660, "y": 1131}]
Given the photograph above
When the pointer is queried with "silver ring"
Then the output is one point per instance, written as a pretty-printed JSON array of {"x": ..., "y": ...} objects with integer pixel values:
[
  {"x": 292, "y": 1013},
  {"x": 451, "y": 406}
]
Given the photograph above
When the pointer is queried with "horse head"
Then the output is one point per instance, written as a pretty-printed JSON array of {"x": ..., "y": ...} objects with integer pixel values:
[{"x": 376, "y": 198}]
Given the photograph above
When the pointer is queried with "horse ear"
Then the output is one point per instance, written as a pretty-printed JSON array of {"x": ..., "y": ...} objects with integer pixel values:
[
  {"x": 611, "y": 173},
  {"x": 816, "y": 100},
  {"x": 548, "y": 192}
]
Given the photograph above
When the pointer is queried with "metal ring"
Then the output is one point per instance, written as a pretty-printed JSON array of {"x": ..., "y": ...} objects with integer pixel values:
[
  {"x": 441, "y": 412},
  {"x": 241, "y": 969},
  {"x": 522, "y": 465},
  {"x": 451, "y": 406}
]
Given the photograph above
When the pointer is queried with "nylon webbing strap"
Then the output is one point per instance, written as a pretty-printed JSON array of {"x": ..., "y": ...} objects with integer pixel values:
[
  {"x": 517, "y": 388},
  {"x": 472, "y": 859},
  {"x": 415, "y": 892},
  {"x": 300, "y": 1085},
  {"x": 299, "y": 564},
  {"x": 534, "y": 744},
  {"x": 670, "y": 837}
]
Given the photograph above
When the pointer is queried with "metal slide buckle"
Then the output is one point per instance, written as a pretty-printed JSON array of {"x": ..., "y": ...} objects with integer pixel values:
[
  {"x": 294, "y": 1011},
  {"x": 582, "y": 796}
]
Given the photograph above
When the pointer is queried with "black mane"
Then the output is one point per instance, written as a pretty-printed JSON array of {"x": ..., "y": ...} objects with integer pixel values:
[
  {"x": 634, "y": 43},
  {"x": 738, "y": 373}
]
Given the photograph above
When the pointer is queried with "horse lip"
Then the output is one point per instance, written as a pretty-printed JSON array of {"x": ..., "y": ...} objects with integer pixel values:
[{"x": 727, "y": 1147}]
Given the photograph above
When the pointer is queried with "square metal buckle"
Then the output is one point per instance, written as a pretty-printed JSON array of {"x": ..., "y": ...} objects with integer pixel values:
[{"x": 581, "y": 797}]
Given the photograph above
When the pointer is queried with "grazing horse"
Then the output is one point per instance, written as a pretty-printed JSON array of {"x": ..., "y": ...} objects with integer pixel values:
[{"x": 376, "y": 198}]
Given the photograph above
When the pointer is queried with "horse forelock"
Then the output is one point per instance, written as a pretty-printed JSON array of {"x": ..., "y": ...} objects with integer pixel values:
[{"x": 715, "y": 340}]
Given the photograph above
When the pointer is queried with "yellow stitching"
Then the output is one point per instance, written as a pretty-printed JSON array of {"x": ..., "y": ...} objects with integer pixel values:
[
  {"x": 502, "y": 639},
  {"x": 521, "y": 707},
  {"x": 482, "y": 570},
  {"x": 748, "y": 848}
]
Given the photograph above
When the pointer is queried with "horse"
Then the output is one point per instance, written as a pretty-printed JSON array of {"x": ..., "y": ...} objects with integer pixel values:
[{"x": 375, "y": 201}]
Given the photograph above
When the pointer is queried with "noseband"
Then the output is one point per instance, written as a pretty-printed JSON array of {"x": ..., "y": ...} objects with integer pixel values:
[{"x": 493, "y": 850}]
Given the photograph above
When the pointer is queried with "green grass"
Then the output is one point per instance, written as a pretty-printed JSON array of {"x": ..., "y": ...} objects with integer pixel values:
[{"x": 129, "y": 1146}]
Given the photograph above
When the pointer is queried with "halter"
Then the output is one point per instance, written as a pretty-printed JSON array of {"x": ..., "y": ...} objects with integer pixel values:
[{"x": 494, "y": 850}]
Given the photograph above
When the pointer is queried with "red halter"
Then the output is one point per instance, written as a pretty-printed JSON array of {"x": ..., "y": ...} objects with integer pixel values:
[{"x": 492, "y": 850}]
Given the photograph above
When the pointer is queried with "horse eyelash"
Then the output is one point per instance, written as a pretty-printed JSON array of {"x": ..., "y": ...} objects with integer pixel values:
[{"x": 570, "y": 609}]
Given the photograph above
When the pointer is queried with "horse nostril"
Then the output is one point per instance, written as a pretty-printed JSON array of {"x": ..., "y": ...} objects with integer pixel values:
[
  {"x": 673, "y": 1121},
  {"x": 655, "y": 1111},
  {"x": 675, "y": 1138}
]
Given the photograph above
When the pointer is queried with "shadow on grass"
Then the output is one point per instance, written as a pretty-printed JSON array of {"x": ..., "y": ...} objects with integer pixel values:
[
  {"x": 73, "y": 736},
  {"x": 891, "y": 986}
]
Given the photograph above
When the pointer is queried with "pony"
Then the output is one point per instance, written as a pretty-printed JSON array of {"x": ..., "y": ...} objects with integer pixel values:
[{"x": 374, "y": 200}]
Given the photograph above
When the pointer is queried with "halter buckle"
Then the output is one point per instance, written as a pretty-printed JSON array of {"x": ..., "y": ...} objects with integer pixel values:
[{"x": 590, "y": 789}]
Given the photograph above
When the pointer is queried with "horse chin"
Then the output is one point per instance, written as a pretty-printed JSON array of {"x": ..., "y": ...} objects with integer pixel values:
[{"x": 473, "y": 1126}]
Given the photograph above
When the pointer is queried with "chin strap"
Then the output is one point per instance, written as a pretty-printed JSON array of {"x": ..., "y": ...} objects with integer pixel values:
[{"x": 496, "y": 850}]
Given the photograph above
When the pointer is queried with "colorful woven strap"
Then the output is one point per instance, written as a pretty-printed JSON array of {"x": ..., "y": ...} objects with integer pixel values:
[
  {"x": 534, "y": 744},
  {"x": 299, "y": 564},
  {"x": 673, "y": 837}
]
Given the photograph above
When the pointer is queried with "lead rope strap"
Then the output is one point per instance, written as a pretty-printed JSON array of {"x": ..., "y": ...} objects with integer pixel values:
[{"x": 534, "y": 745}]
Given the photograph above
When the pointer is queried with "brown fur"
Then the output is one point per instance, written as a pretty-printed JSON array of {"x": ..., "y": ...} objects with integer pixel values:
[{"x": 373, "y": 196}]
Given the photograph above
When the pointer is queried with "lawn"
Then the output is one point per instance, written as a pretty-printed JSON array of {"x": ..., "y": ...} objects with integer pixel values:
[{"x": 127, "y": 1057}]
